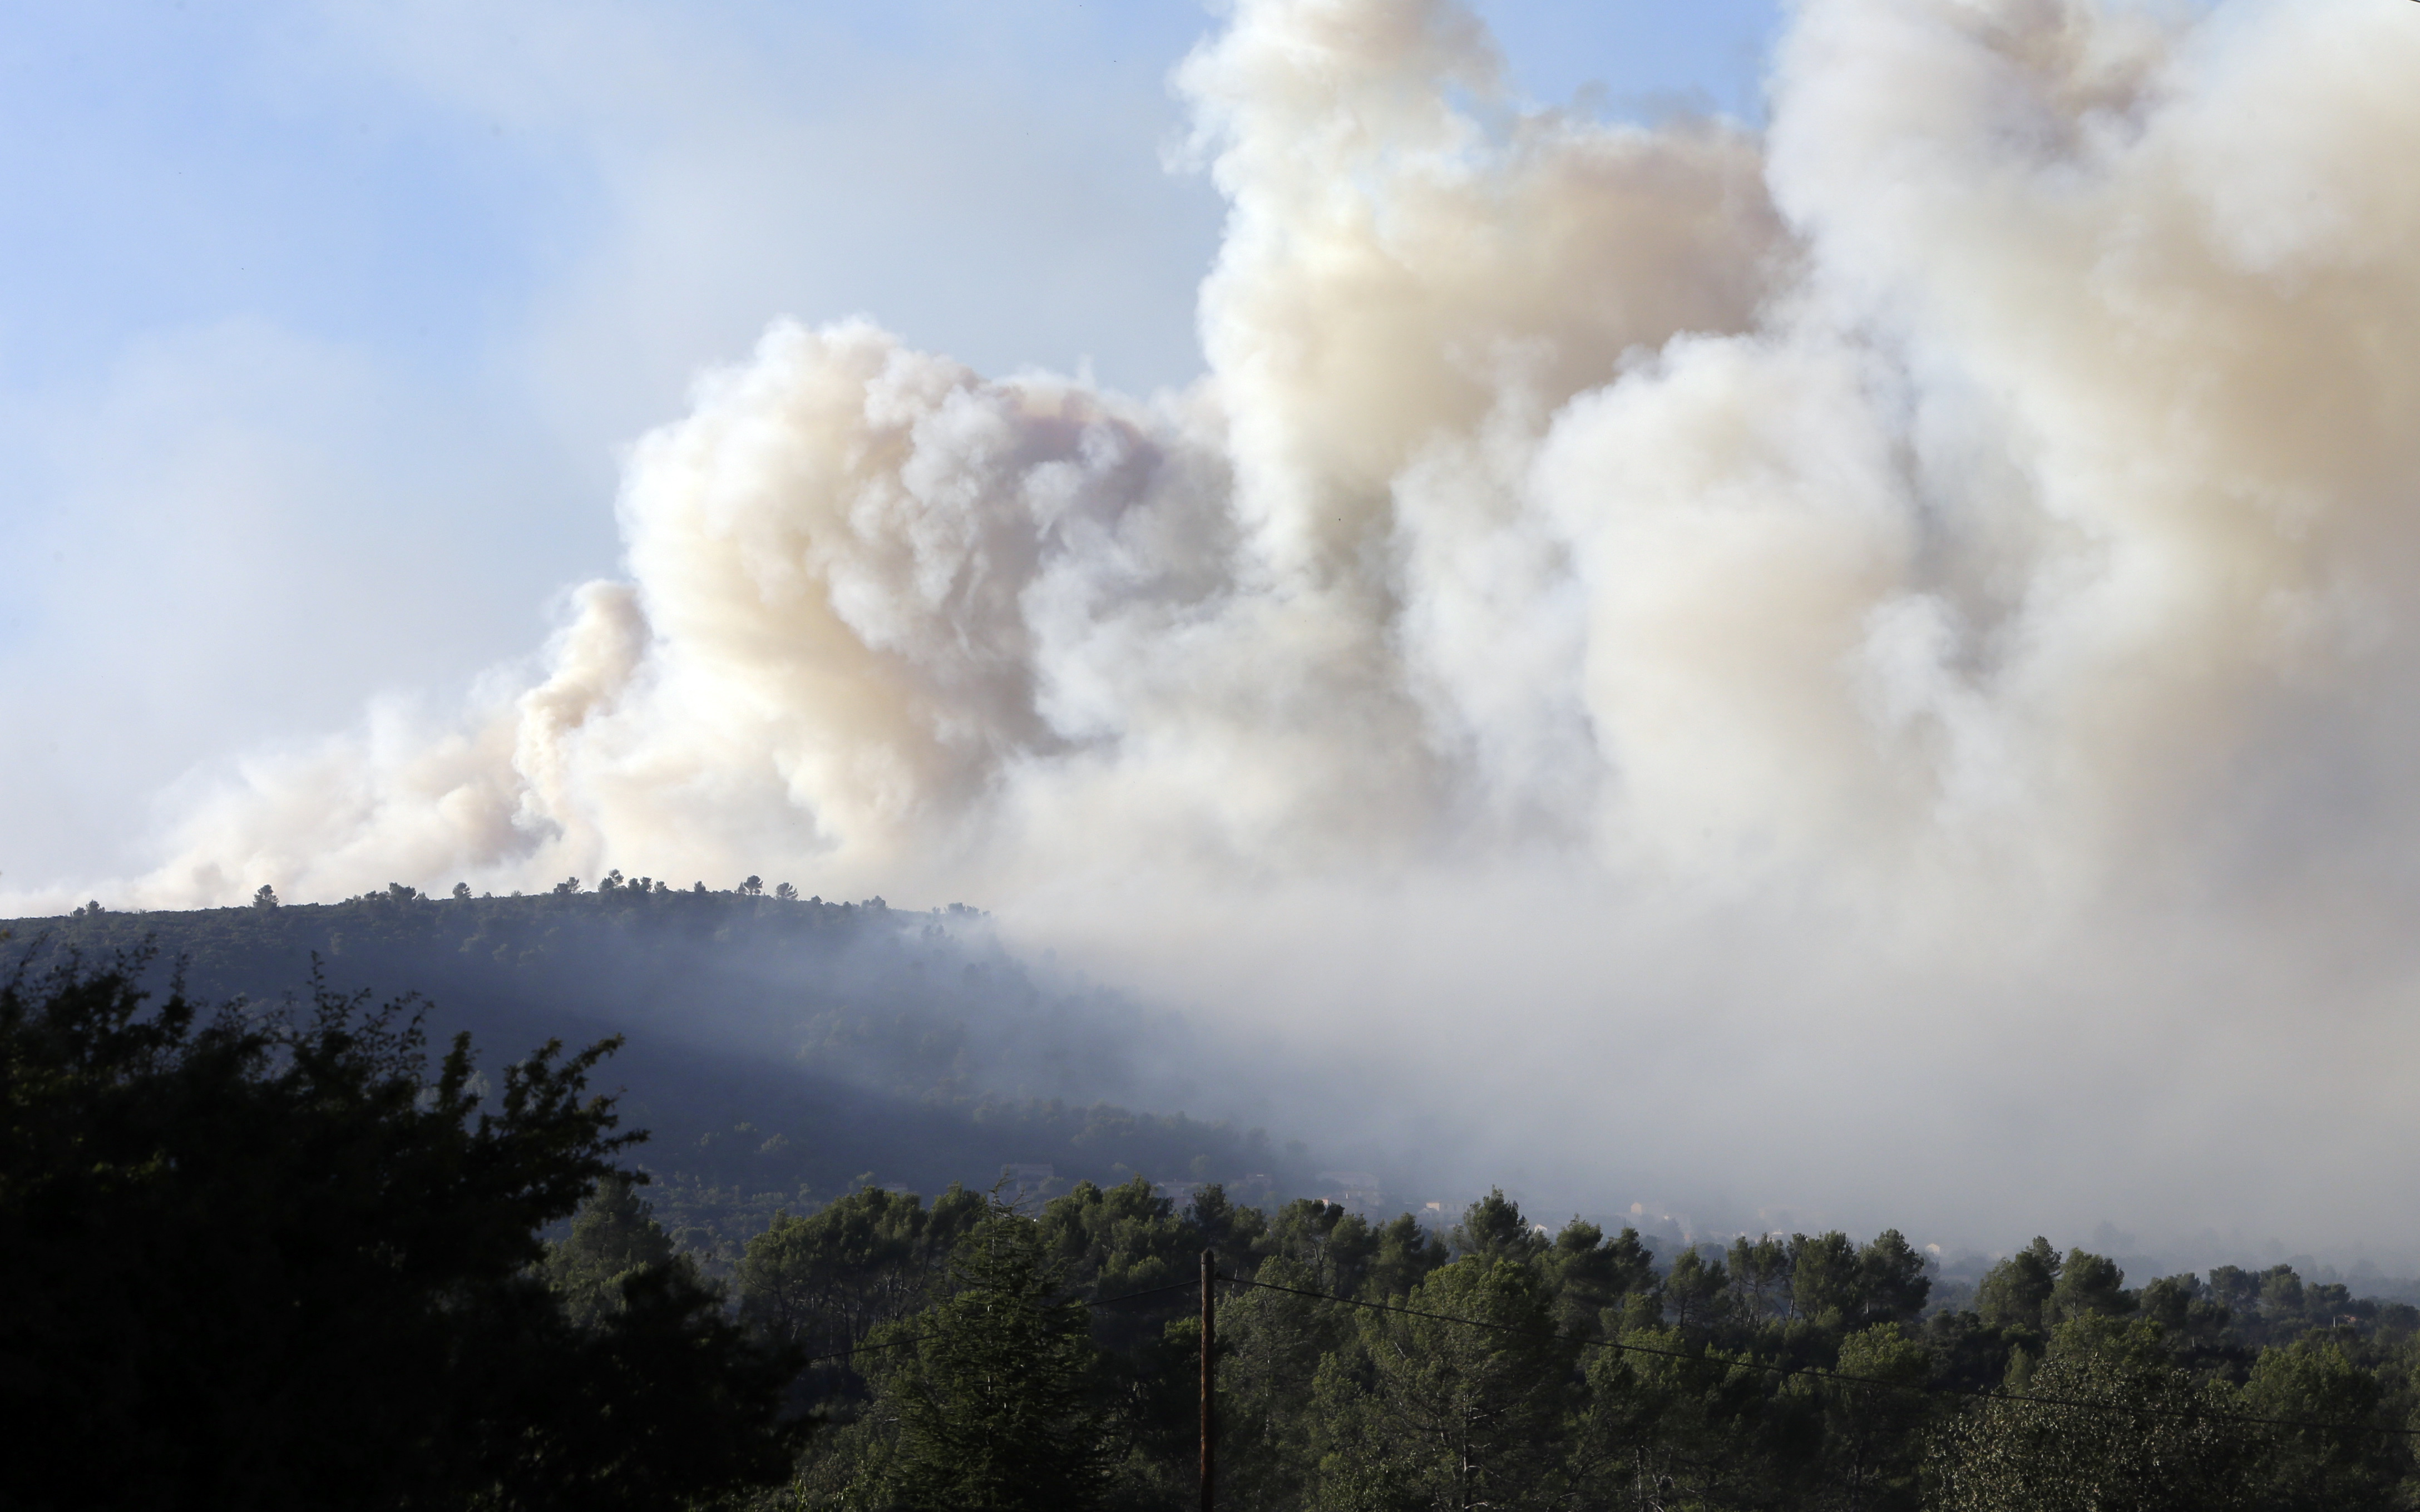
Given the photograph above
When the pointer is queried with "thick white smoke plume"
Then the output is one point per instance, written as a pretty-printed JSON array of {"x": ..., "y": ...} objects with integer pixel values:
[{"x": 1871, "y": 666}]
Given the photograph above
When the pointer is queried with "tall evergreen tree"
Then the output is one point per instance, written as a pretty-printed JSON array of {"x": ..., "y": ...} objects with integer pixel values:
[{"x": 991, "y": 1392}]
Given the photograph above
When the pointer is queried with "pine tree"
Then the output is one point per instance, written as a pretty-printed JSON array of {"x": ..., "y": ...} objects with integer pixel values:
[
  {"x": 993, "y": 1402},
  {"x": 613, "y": 1237}
]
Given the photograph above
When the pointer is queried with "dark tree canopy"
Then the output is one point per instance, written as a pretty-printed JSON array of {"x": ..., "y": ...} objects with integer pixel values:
[
  {"x": 993, "y": 1389},
  {"x": 266, "y": 1259}
]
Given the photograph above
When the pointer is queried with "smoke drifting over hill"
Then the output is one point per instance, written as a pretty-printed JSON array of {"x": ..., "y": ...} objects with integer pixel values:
[{"x": 1868, "y": 666}]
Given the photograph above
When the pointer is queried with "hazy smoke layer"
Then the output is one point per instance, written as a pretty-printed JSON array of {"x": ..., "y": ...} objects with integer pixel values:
[{"x": 1870, "y": 668}]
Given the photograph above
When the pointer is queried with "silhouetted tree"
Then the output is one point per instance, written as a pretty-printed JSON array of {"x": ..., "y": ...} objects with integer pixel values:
[{"x": 266, "y": 1260}]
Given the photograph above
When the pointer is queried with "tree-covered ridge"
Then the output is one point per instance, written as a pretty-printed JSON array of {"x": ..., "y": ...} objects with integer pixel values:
[
  {"x": 1366, "y": 1365},
  {"x": 898, "y": 1000},
  {"x": 782, "y": 1049}
]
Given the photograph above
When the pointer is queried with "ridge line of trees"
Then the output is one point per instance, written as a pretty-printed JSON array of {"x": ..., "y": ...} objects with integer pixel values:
[{"x": 1809, "y": 1371}]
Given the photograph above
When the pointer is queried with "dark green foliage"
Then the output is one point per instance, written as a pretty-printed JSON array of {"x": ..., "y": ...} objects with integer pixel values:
[
  {"x": 2017, "y": 1292},
  {"x": 665, "y": 1403},
  {"x": 1891, "y": 1282},
  {"x": 1592, "y": 1273},
  {"x": 1825, "y": 1281},
  {"x": 821, "y": 1281},
  {"x": 1685, "y": 1424},
  {"x": 1604, "y": 1383},
  {"x": 265, "y": 1260},
  {"x": 1333, "y": 1245},
  {"x": 613, "y": 1237},
  {"x": 2318, "y": 1379},
  {"x": 1272, "y": 1344},
  {"x": 2088, "y": 1286},
  {"x": 1760, "y": 1271},
  {"x": 1435, "y": 1413},
  {"x": 1403, "y": 1256},
  {"x": 1236, "y": 1234},
  {"x": 1694, "y": 1289},
  {"x": 992, "y": 1402},
  {"x": 1495, "y": 1229},
  {"x": 1871, "y": 1431},
  {"x": 2113, "y": 1425},
  {"x": 1122, "y": 1239}
]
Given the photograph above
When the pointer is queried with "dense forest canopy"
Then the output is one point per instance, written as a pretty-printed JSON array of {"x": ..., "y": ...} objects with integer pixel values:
[
  {"x": 970, "y": 1352},
  {"x": 280, "y": 1211}
]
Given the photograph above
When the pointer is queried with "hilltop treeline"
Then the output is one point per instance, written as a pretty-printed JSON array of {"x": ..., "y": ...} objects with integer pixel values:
[
  {"x": 1367, "y": 1365},
  {"x": 782, "y": 1049}
]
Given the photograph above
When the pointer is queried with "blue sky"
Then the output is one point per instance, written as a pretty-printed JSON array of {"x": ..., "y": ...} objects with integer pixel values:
[{"x": 322, "y": 324}]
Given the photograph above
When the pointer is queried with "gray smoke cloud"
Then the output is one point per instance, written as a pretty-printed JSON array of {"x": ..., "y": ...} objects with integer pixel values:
[{"x": 1863, "y": 672}]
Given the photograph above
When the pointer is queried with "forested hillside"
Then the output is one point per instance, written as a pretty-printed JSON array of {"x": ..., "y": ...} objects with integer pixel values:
[
  {"x": 274, "y": 1256},
  {"x": 1381, "y": 1365},
  {"x": 781, "y": 1049}
]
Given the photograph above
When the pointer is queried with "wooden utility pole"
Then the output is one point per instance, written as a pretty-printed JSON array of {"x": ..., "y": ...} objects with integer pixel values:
[{"x": 1209, "y": 1382}]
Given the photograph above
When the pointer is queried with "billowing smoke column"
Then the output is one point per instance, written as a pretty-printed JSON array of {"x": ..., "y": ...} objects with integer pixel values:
[{"x": 1872, "y": 665}]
